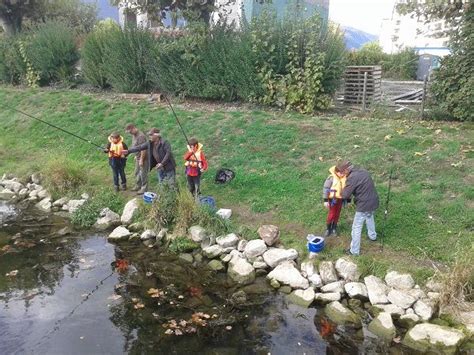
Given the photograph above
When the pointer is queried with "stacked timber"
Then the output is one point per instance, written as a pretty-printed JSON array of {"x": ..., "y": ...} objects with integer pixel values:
[{"x": 362, "y": 84}]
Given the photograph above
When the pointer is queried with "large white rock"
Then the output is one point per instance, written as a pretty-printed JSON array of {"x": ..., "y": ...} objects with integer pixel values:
[
  {"x": 394, "y": 310},
  {"x": 213, "y": 251},
  {"x": 197, "y": 234},
  {"x": 148, "y": 234},
  {"x": 327, "y": 272},
  {"x": 255, "y": 248},
  {"x": 13, "y": 185},
  {"x": 302, "y": 297},
  {"x": 417, "y": 293},
  {"x": 259, "y": 265},
  {"x": 286, "y": 273},
  {"x": 327, "y": 297},
  {"x": 376, "y": 290},
  {"x": 383, "y": 327},
  {"x": 315, "y": 280},
  {"x": 337, "y": 286},
  {"x": 342, "y": 315},
  {"x": 23, "y": 193},
  {"x": 399, "y": 281},
  {"x": 347, "y": 270},
  {"x": 224, "y": 213},
  {"x": 401, "y": 299},
  {"x": 107, "y": 219},
  {"x": 275, "y": 256},
  {"x": 73, "y": 205},
  {"x": 44, "y": 204},
  {"x": 36, "y": 178},
  {"x": 6, "y": 194},
  {"x": 270, "y": 234},
  {"x": 356, "y": 290},
  {"x": 43, "y": 194},
  {"x": 307, "y": 268},
  {"x": 423, "y": 309},
  {"x": 119, "y": 233},
  {"x": 62, "y": 201},
  {"x": 129, "y": 211},
  {"x": 240, "y": 271},
  {"x": 227, "y": 241},
  {"x": 434, "y": 338}
]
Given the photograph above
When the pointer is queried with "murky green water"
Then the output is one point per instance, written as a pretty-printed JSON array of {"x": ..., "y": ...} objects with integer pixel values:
[{"x": 68, "y": 297}]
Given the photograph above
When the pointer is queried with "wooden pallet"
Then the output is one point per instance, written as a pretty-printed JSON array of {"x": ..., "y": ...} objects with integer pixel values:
[{"x": 360, "y": 81}]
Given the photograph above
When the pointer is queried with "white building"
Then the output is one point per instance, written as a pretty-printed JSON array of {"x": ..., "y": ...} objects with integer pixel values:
[{"x": 403, "y": 31}]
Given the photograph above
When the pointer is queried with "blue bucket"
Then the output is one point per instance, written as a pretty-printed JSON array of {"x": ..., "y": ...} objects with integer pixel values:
[
  {"x": 208, "y": 201},
  {"x": 315, "y": 243},
  {"x": 149, "y": 197}
]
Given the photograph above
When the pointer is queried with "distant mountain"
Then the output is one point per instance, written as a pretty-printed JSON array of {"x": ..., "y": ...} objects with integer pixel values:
[
  {"x": 355, "y": 38},
  {"x": 104, "y": 8}
]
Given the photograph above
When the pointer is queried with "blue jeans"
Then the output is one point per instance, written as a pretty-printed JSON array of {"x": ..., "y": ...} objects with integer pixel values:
[
  {"x": 357, "y": 225},
  {"x": 167, "y": 177},
  {"x": 118, "y": 170}
]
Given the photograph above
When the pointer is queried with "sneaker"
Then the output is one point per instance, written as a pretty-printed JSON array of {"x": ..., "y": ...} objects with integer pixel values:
[{"x": 348, "y": 252}]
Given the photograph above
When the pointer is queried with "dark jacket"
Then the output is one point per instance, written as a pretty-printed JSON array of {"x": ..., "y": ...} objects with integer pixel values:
[
  {"x": 360, "y": 184},
  {"x": 160, "y": 154}
]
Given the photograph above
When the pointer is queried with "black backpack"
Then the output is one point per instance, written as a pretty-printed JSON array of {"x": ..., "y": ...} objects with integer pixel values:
[{"x": 224, "y": 176}]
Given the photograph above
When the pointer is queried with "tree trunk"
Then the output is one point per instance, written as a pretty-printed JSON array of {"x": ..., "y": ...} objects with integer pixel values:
[{"x": 11, "y": 22}]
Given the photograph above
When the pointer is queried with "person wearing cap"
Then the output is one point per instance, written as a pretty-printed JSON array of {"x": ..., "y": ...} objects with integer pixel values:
[
  {"x": 359, "y": 184},
  {"x": 141, "y": 159},
  {"x": 195, "y": 162},
  {"x": 161, "y": 156},
  {"x": 116, "y": 149},
  {"x": 333, "y": 201}
]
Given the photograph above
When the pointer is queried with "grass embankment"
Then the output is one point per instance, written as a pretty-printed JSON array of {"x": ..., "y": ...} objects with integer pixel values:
[{"x": 281, "y": 161}]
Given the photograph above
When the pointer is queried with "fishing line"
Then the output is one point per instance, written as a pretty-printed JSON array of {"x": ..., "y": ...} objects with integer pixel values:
[{"x": 52, "y": 125}]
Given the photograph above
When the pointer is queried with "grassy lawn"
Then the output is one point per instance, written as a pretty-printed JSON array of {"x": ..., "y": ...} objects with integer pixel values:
[{"x": 281, "y": 161}]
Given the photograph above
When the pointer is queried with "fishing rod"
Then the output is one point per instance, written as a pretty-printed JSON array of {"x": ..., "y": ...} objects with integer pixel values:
[
  {"x": 180, "y": 126},
  {"x": 387, "y": 201},
  {"x": 52, "y": 125}
]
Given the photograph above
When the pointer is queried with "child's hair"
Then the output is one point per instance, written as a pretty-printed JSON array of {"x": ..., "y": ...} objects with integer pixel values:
[
  {"x": 343, "y": 166},
  {"x": 115, "y": 135},
  {"x": 193, "y": 142}
]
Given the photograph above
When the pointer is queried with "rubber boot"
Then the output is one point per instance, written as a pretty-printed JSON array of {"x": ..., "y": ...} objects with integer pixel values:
[
  {"x": 334, "y": 228},
  {"x": 124, "y": 187},
  {"x": 328, "y": 230}
]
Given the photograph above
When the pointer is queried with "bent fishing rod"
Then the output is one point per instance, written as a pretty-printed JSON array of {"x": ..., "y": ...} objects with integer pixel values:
[
  {"x": 387, "y": 201},
  {"x": 52, "y": 125}
]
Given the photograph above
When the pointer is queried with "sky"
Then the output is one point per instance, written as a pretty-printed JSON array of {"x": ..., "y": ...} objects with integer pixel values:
[{"x": 365, "y": 15}]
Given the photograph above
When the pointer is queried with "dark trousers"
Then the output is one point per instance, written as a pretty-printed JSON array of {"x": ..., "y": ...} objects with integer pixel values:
[
  {"x": 334, "y": 211},
  {"x": 118, "y": 170},
  {"x": 194, "y": 183}
]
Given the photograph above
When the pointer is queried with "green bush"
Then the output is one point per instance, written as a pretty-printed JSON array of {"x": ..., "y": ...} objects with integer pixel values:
[
  {"x": 12, "y": 68},
  {"x": 130, "y": 56},
  {"x": 401, "y": 66},
  {"x": 369, "y": 54},
  {"x": 94, "y": 60},
  {"x": 182, "y": 245},
  {"x": 88, "y": 213},
  {"x": 63, "y": 176},
  {"x": 52, "y": 52}
]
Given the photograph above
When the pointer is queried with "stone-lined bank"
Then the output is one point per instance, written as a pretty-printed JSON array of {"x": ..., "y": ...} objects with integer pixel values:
[{"x": 392, "y": 307}]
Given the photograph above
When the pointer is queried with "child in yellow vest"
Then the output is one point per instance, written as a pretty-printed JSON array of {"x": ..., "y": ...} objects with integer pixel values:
[
  {"x": 117, "y": 159},
  {"x": 333, "y": 201}
]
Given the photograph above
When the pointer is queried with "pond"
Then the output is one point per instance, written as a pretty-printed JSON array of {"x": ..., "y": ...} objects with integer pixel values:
[{"x": 63, "y": 291}]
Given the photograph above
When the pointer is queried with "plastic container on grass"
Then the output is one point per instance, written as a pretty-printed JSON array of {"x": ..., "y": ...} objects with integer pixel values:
[{"x": 149, "y": 197}]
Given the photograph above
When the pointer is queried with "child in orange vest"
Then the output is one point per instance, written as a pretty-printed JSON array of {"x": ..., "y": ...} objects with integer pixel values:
[
  {"x": 196, "y": 163},
  {"x": 333, "y": 201},
  {"x": 117, "y": 159}
]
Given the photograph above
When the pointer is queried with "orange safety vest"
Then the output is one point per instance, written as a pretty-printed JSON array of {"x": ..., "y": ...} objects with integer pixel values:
[
  {"x": 195, "y": 160},
  {"x": 338, "y": 184},
  {"x": 115, "y": 150}
]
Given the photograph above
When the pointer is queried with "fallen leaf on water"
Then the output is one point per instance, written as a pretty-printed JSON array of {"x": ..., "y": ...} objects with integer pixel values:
[
  {"x": 229, "y": 327},
  {"x": 139, "y": 306},
  {"x": 180, "y": 297},
  {"x": 121, "y": 265},
  {"x": 114, "y": 297},
  {"x": 326, "y": 328},
  {"x": 11, "y": 273}
]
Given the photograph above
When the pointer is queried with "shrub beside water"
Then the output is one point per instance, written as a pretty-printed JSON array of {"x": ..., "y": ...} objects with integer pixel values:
[
  {"x": 88, "y": 213},
  {"x": 64, "y": 176},
  {"x": 12, "y": 68}
]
